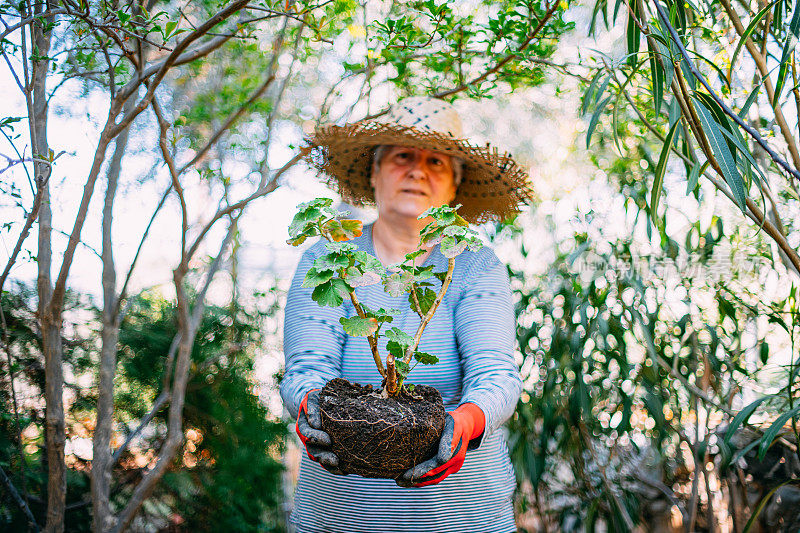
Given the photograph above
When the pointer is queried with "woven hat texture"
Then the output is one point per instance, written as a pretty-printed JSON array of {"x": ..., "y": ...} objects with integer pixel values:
[{"x": 493, "y": 186}]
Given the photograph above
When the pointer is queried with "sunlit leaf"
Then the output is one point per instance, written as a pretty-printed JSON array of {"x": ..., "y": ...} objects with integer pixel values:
[
  {"x": 773, "y": 430},
  {"x": 359, "y": 327},
  {"x": 314, "y": 277},
  {"x": 722, "y": 153},
  {"x": 661, "y": 168}
]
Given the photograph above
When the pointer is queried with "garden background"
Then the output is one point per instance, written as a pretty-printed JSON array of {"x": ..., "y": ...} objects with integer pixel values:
[{"x": 150, "y": 165}]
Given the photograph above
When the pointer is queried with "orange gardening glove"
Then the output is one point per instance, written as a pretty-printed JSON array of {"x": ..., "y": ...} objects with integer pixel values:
[
  {"x": 461, "y": 427},
  {"x": 309, "y": 429}
]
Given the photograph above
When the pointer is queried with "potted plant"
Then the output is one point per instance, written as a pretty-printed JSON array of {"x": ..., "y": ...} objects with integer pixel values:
[{"x": 381, "y": 433}]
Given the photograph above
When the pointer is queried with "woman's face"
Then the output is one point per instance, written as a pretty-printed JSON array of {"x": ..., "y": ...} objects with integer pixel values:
[{"x": 411, "y": 180}]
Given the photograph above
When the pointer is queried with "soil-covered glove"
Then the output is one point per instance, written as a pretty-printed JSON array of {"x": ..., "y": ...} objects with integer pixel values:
[
  {"x": 309, "y": 429},
  {"x": 461, "y": 429}
]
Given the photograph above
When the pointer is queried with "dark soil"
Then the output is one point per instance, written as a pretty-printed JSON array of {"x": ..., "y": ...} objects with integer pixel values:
[{"x": 380, "y": 437}]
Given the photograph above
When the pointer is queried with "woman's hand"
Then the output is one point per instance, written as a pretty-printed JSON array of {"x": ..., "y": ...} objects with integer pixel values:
[
  {"x": 461, "y": 427},
  {"x": 316, "y": 441}
]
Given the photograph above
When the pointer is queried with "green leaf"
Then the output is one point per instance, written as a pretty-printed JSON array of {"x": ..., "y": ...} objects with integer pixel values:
[
  {"x": 315, "y": 277},
  {"x": 330, "y": 293},
  {"x": 359, "y": 327},
  {"x": 425, "y": 296},
  {"x": 774, "y": 429},
  {"x": 657, "y": 76},
  {"x": 425, "y": 358},
  {"x": 587, "y": 96},
  {"x": 343, "y": 230},
  {"x": 722, "y": 153},
  {"x": 332, "y": 261},
  {"x": 398, "y": 283},
  {"x": 741, "y": 418},
  {"x": 340, "y": 247},
  {"x": 450, "y": 247},
  {"x": 788, "y": 48},
  {"x": 169, "y": 27},
  {"x": 633, "y": 35},
  {"x": 694, "y": 176},
  {"x": 747, "y": 32},
  {"x": 399, "y": 336},
  {"x": 414, "y": 255},
  {"x": 297, "y": 241},
  {"x": 750, "y": 99},
  {"x": 737, "y": 142},
  {"x": 380, "y": 314},
  {"x": 402, "y": 369},
  {"x": 368, "y": 263},
  {"x": 760, "y": 507},
  {"x": 363, "y": 279},
  {"x": 423, "y": 273},
  {"x": 397, "y": 350},
  {"x": 763, "y": 352},
  {"x": 594, "y": 120},
  {"x": 661, "y": 168}
]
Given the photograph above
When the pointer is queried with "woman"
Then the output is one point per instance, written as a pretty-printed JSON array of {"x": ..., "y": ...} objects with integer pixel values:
[{"x": 413, "y": 159}]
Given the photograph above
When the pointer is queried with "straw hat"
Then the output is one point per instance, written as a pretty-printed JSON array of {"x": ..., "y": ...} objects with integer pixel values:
[{"x": 492, "y": 187}]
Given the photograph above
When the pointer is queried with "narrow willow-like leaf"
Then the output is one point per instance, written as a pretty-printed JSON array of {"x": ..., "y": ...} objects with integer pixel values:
[
  {"x": 738, "y": 142},
  {"x": 747, "y": 32},
  {"x": 723, "y": 78},
  {"x": 722, "y": 152},
  {"x": 657, "y": 76},
  {"x": 774, "y": 429},
  {"x": 633, "y": 35},
  {"x": 763, "y": 502},
  {"x": 788, "y": 48},
  {"x": 694, "y": 176},
  {"x": 595, "y": 118},
  {"x": 661, "y": 168},
  {"x": 741, "y": 418},
  {"x": 587, "y": 96},
  {"x": 750, "y": 99}
]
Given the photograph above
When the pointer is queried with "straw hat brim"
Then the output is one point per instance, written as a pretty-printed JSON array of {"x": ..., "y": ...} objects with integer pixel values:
[{"x": 493, "y": 186}]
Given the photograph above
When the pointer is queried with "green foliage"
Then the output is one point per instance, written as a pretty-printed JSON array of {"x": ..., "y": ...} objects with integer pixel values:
[
  {"x": 227, "y": 475},
  {"x": 336, "y": 274},
  {"x": 606, "y": 366}
]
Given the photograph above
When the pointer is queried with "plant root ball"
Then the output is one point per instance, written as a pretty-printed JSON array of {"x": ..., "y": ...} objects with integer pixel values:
[{"x": 381, "y": 437}]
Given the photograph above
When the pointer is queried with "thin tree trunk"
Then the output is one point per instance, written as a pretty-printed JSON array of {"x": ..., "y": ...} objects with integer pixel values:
[
  {"x": 50, "y": 322},
  {"x": 102, "y": 518}
]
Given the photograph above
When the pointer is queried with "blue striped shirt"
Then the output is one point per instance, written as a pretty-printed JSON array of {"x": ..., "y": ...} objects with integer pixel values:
[{"x": 472, "y": 334}]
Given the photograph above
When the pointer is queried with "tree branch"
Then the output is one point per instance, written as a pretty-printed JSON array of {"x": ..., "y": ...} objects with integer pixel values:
[
  {"x": 500, "y": 64},
  {"x": 18, "y": 499},
  {"x": 451, "y": 265},
  {"x": 728, "y": 111},
  {"x": 228, "y": 123},
  {"x": 261, "y": 191}
]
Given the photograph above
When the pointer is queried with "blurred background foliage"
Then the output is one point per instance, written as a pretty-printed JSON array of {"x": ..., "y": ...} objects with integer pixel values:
[
  {"x": 228, "y": 474},
  {"x": 655, "y": 277}
]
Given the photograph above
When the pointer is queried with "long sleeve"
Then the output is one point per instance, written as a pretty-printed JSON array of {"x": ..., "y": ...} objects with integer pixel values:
[
  {"x": 312, "y": 339},
  {"x": 484, "y": 327}
]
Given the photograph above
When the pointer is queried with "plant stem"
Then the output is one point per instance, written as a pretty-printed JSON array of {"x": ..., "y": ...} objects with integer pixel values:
[
  {"x": 451, "y": 265},
  {"x": 391, "y": 376},
  {"x": 373, "y": 342}
]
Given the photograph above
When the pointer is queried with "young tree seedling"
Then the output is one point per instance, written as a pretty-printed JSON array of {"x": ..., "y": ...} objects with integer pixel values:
[{"x": 335, "y": 276}]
